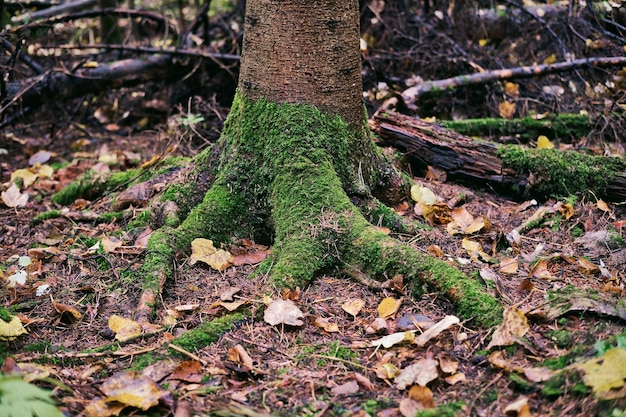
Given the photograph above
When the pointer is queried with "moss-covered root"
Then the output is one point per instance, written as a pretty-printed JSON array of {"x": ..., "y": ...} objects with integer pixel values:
[
  {"x": 207, "y": 333},
  {"x": 375, "y": 253},
  {"x": 215, "y": 218}
]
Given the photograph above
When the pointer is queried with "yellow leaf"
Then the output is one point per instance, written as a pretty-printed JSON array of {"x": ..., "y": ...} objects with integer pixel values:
[
  {"x": 474, "y": 249},
  {"x": 514, "y": 326},
  {"x": 506, "y": 109},
  {"x": 10, "y": 330},
  {"x": 26, "y": 175},
  {"x": 422, "y": 194},
  {"x": 483, "y": 42},
  {"x": 124, "y": 328},
  {"x": 511, "y": 89},
  {"x": 386, "y": 370},
  {"x": 133, "y": 389},
  {"x": 550, "y": 60},
  {"x": 388, "y": 307},
  {"x": 544, "y": 143},
  {"x": 606, "y": 373},
  {"x": 204, "y": 251}
]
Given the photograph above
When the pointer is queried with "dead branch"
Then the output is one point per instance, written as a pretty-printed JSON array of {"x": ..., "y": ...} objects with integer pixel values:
[
  {"x": 410, "y": 95},
  {"x": 55, "y": 10},
  {"x": 57, "y": 85}
]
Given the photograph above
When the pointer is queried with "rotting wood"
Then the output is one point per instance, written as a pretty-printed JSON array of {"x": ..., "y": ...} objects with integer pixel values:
[{"x": 467, "y": 159}]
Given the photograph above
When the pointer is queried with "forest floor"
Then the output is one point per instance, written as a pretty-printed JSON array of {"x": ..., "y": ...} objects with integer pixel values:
[{"x": 79, "y": 266}]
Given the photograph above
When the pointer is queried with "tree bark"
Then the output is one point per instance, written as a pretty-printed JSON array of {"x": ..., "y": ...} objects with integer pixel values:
[{"x": 303, "y": 51}]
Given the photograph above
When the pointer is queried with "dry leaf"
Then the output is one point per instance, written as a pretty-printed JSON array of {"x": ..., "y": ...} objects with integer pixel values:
[
  {"x": 448, "y": 365},
  {"x": 388, "y": 307},
  {"x": 455, "y": 379},
  {"x": 386, "y": 370},
  {"x": 283, "y": 312},
  {"x": 110, "y": 243},
  {"x": 133, "y": 389},
  {"x": 544, "y": 143},
  {"x": 349, "y": 388},
  {"x": 606, "y": 374},
  {"x": 511, "y": 89},
  {"x": 436, "y": 330},
  {"x": 424, "y": 195},
  {"x": 203, "y": 250},
  {"x": 540, "y": 270},
  {"x": 250, "y": 258},
  {"x": 10, "y": 330},
  {"x": 421, "y": 373},
  {"x": 326, "y": 324},
  {"x": 353, "y": 306},
  {"x": 394, "y": 338},
  {"x": 506, "y": 109},
  {"x": 239, "y": 355},
  {"x": 188, "y": 371},
  {"x": 514, "y": 326},
  {"x": 228, "y": 293},
  {"x": 364, "y": 382},
  {"x": 422, "y": 395},
  {"x": 13, "y": 198},
  {"x": 603, "y": 206},
  {"x": 124, "y": 328},
  {"x": 508, "y": 266},
  {"x": 587, "y": 267},
  {"x": 67, "y": 312}
]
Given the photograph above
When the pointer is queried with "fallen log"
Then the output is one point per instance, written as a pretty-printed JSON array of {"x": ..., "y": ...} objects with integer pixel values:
[
  {"x": 56, "y": 85},
  {"x": 539, "y": 173}
]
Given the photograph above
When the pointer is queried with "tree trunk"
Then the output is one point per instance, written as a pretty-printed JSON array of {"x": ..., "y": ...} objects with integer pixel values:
[
  {"x": 303, "y": 51},
  {"x": 293, "y": 159}
]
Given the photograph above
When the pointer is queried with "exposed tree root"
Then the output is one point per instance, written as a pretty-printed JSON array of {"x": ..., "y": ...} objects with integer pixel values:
[{"x": 284, "y": 174}]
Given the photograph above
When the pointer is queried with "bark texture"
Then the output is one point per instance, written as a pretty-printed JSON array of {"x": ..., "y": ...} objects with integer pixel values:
[{"x": 289, "y": 56}]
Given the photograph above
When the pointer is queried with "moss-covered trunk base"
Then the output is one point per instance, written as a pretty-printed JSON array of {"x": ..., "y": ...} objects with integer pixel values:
[{"x": 287, "y": 175}]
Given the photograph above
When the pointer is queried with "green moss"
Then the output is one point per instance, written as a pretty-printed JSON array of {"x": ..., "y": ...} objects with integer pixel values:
[
  {"x": 560, "y": 173},
  {"x": 5, "y": 315},
  {"x": 561, "y": 338},
  {"x": 566, "y": 381},
  {"x": 451, "y": 409},
  {"x": 46, "y": 215},
  {"x": 206, "y": 333},
  {"x": 144, "y": 360},
  {"x": 42, "y": 346},
  {"x": 560, "y": 126}
]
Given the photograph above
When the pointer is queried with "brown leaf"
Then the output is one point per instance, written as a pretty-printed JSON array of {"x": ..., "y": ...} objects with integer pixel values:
[
  {"x": 364, "y": 382},
  {"x": 326, "y": 324},
  {"x": 239, "y": 355},
  {"x": 422, "y": 395},
  {"x": 133, "y": 389},
  {"x": 67, "y": 312},
  {"x": 421, "y": 372},
  {"x": 353, "y": 306},
  {"x": 188, "y": 371},
  {"x": 13, "y": 198},
  {"x": 249, "y": 258},
  {"x": 283, "y": 312},
  {"x": 514, "y": 326},
  {"x": 349, "y": 388}
]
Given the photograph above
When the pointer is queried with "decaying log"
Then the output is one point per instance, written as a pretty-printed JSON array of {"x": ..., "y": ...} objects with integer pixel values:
[
  {"x": 482, "y": 162},
  {"x": 64, "y": 84}
]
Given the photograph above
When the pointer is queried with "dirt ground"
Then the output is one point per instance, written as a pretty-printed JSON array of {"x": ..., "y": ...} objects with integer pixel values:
[{"x": 82, "y": 261}]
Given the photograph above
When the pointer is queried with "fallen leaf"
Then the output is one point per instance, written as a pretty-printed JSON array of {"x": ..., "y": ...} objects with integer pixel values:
[
  {"x": 67, "y": 312},
  {"x": 506, "y": 109},
  {"x": 353, "y": 306},
  {"x": 349, "y": 388},
  {"x": 519, "y": 408},
  {"x": 364, "y": 382},
  {"x": 124, "y": 328},
  {"x": 283, "y": 312},
  {"x": 544, "y": 143},
  {"x": 13, "y": 198},
  {"x": 606, "y": 374},
  {"x": 230, "y": 306},
  {"x": 448, "y": 365},
  {"x": 239, "y": 355},
  {"x": 249, "y": 258},
  {"x": 455, "y": 378},
  {"x": 587, "y": 267},
  {"x": 475, "y": 250},
  {"x": 204, "y": 251},
  {"x": 538, "y": 374},
  {"x": 514, "y": 326},
  {"x": 394, "y": 338},
  {"x": 508, "y": 266},
  {"x": 188, "y": 371},
  {"x": 540, "y": 270},
  {"x": 603, "y": 206},
  {"x": 133, "y": 389},
  {"x": 326, "y": 324},
  {"x": 422, "y": 395},
  {"x": 111, "y": 243},
  {"x": 420, "y": 372},
  {"x": 424, "y": 195},
  {"x": 409, "y": 407},
  {"x": 435, "y": 330},
  {"x": 10, "y": 330},
  {"x": 388, "y": 307},
  {"x": 386, "y": 370}
]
